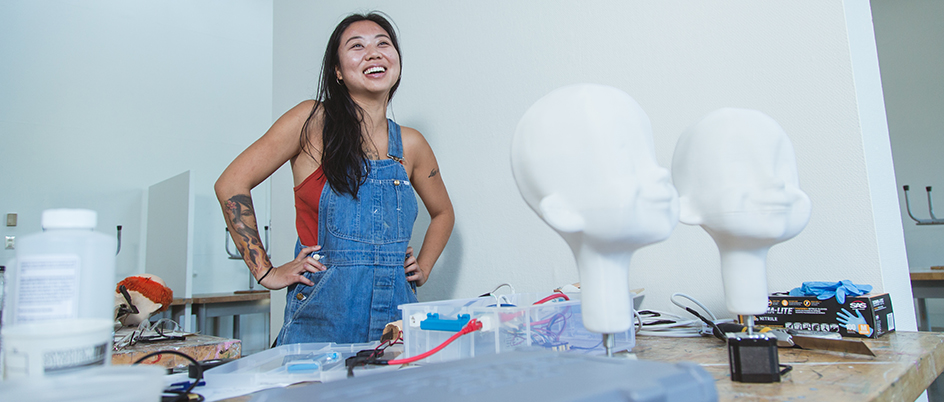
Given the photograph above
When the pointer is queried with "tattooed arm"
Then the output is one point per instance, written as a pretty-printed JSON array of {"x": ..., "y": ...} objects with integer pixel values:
[
  {"x": 241, "y": 220},
  {"x": 424, "y": 174},
  {"x": 279, "y": 145}
]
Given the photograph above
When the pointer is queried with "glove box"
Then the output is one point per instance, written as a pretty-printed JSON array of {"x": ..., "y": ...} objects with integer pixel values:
[{"x": 866, "y": 316}]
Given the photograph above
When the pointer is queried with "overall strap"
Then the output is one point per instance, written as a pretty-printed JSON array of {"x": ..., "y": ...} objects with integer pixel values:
[{"x": 394, "y": 142}]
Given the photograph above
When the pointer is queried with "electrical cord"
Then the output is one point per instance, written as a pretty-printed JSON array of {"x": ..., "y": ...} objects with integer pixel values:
[
  {"x": 659, "y": 323},
  {"x": 496, "y": 289},
  {"x": 693, "y": 300},
  {"x": 500, "y": 301},
  {"x": 552, "y": 297},
  {"x": 184, "y": 395}
]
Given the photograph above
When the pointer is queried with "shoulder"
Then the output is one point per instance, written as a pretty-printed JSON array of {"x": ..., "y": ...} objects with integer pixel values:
[
  {"x": 417, "y": 152},
  {"x": 291, "y": 122},
  {"x": 412, "y": 139},
  {"x": 302, "y": 110}
]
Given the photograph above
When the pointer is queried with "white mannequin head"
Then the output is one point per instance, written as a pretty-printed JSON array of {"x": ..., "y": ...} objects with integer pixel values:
[
  {"x": 736, "y": 174},
  {"x": 583, "y": 159}
]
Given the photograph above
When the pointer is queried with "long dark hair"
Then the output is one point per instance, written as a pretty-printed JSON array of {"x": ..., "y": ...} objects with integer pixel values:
[{"x": 343, "y": 156}]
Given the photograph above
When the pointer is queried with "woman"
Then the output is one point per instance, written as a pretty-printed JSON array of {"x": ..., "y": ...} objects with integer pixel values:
[{"x": 355, "y": 173}]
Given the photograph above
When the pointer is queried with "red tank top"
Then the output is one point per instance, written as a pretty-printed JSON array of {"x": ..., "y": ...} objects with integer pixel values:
[{"x": 307, "y": 199}]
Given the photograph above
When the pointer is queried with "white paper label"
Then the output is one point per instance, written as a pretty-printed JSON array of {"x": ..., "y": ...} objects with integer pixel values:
[{"x": 47, "y": 288}]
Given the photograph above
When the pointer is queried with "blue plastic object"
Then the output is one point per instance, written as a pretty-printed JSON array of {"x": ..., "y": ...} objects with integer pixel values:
[
  {"x": 854, "y": 323},
  {"x": 310, "y": 362},
  {"x": 825, "y": 290},
  {"x": 434, "y": 323}
]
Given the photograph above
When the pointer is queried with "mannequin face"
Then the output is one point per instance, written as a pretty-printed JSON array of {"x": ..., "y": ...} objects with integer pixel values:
[
  {"x": 583, "y": 159},
  {"x": 736, "y": 175}
]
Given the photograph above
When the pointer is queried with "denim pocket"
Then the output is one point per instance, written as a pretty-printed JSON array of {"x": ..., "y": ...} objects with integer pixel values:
[
  {"x": 411, "y": 292},
  {"x": 299, "y": 294}
]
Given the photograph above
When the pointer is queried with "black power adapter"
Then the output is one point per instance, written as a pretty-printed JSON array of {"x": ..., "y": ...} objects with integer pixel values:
[{"x": 753, "y": 358}]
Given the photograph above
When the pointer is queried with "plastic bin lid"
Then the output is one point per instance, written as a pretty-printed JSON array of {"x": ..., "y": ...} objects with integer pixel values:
[{"x": 69, "y": 219}]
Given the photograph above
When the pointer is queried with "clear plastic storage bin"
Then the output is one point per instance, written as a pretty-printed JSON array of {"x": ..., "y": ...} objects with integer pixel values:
[
  {"x": 287, "y": 364},
  {"x": 510, "y": 321}
]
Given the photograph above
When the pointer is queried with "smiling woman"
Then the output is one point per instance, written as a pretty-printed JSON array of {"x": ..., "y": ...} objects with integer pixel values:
[
  {"x": 369, "y": 60},
  {"x": 355, "y": 173}
]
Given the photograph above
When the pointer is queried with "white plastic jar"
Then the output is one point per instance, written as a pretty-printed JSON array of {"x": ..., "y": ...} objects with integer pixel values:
[
  {"x": 66, "y": 271},
  {"x": 59, "y": 303}
]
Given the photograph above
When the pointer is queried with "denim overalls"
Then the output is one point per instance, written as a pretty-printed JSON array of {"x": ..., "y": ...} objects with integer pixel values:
[{"x": 363, "y": 245}]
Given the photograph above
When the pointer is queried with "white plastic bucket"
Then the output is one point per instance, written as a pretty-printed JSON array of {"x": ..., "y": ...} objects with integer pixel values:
[
  {"x": 142, "y": 383},
  {"x": 56, "y": 347}
]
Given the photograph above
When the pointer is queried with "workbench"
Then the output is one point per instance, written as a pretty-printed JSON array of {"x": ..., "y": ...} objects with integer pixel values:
[
  {"x": 212, "y": 305},
  {"x": 926, "y": 284},
  {"x": 200, "y": 347},
  {"x": 904, "y": 366},
  {"x": 906, "y": 363}
]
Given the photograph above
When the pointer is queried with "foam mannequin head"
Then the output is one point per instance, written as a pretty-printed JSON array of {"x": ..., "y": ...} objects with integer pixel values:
[
  {"x": 583, "y": 160},
  {"x": 736, "y": 174},
  {"x": 149, "y": 295}
]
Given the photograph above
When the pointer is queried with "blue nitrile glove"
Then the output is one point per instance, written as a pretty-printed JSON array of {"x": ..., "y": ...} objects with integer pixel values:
[
  {"x": 854, "y": 323},
  {"x": 825, "y": 290},
  {"x": 848, "y": 288}
]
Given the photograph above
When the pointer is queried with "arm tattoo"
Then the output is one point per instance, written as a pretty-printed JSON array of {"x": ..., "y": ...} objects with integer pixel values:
[
  {"x": 433, "y": 173},
  {"x": 242, "y": 217}
]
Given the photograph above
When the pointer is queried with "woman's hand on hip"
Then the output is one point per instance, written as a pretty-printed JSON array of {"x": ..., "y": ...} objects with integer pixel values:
[
  {"x": 294, "y": 271},
  {"x": 412, "y": 268}
]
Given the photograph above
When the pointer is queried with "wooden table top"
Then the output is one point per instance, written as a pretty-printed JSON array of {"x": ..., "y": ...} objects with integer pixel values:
[
  {"x": 198, "y": 346},
  {"x": 904, "y": 366},
  {"x": 225, "y": 297},
  {"x": 927, "y": 274}
]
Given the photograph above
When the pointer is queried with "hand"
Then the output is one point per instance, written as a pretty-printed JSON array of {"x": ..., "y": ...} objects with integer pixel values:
[
  {"x": 412, "y": 268},
  {"x": 854, "y": 323},
  {"x": 294, "y": 271}
]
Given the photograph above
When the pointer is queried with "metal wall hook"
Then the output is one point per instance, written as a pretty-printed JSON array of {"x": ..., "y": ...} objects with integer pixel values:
[
  {"x": 237, "y": 255},
  {"x": 934, "y": 220},
  {"x": 119, "y": 240}
]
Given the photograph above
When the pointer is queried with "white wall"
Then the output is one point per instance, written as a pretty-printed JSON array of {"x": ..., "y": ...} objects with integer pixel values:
[
  {"x": 101, "y": 99},
  {"x": 470, "y": 69},
  {"x": 910, "y": 41}
]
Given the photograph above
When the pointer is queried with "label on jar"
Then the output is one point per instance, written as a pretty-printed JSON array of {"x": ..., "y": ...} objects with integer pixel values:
[
  {"x": 23, "y": 361},
  {"x": 78, "y": 357},
  {"x": 47, "y": 288}
]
